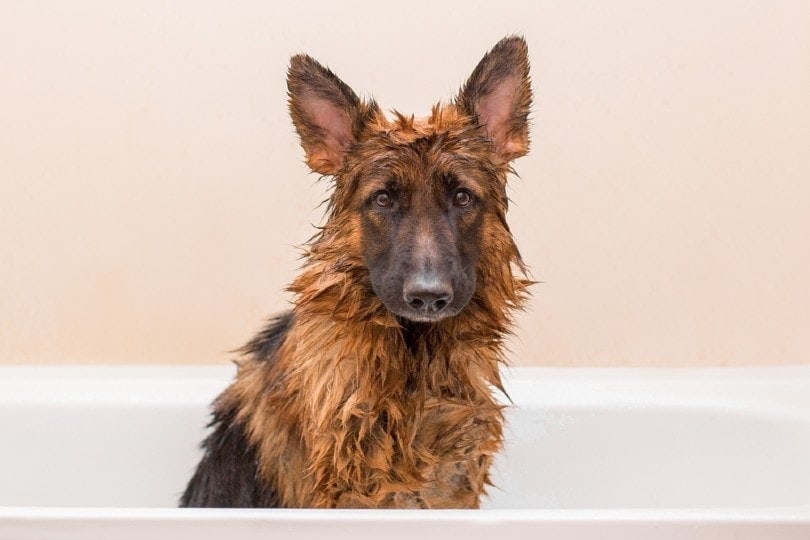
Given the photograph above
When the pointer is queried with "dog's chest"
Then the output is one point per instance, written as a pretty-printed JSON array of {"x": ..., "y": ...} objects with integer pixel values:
[
  {"x": 439, "y": 459},
  {"x": 454, "y": 441}
]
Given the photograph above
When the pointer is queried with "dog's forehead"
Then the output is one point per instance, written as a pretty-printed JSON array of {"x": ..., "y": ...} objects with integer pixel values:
[
  {"x": 443, "y": 120},
  {"x": 444, "y": 138},
  {"x": 419, "y": 152}
]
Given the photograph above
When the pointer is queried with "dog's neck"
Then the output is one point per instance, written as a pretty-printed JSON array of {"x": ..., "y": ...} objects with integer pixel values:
[
  {"x": 413, "y": 334},
  {"x": 343, "y": 316}
]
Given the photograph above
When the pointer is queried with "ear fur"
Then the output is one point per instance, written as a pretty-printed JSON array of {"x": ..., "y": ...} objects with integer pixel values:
[
  {"x": 498, "y": 96},
  {"x": 327, "y": 114}
]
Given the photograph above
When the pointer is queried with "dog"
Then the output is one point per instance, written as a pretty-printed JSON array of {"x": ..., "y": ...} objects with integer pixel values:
[{"x": 376, "y": 389}]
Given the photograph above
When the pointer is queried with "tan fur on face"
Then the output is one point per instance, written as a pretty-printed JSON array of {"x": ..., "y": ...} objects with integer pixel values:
[{"x": 346, "y": 413}]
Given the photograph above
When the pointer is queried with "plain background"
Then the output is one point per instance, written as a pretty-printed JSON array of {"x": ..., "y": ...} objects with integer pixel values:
[{"x": 152, "y": 190}]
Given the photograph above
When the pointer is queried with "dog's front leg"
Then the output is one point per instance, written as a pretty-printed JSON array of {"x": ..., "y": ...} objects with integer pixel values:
[
  {"x": 388, "y": 499},
  {"x": 448, "y": 485}
]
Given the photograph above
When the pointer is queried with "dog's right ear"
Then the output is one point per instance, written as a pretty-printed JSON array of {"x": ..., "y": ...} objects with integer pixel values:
[{"x": 327, "y": 114}]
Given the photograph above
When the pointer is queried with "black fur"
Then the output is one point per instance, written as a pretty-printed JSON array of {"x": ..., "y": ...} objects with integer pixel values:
[
  {"x": 265, "y": 344},
  {"x": 228, "y": 475}
]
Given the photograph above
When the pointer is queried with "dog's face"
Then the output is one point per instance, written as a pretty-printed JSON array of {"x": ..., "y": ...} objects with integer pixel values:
[
  {"x": 423, "y": 196},
  {"x": 421, "y": 210}
]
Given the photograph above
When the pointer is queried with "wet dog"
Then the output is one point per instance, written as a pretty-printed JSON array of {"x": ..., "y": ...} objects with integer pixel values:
[{"x": 375, "y": 390}]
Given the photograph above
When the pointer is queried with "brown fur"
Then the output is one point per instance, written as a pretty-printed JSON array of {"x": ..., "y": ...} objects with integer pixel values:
[{"x": 358, "y": 408}]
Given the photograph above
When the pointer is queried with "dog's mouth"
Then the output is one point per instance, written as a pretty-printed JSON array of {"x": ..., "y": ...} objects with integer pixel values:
[{"x": 420, "y": 316}]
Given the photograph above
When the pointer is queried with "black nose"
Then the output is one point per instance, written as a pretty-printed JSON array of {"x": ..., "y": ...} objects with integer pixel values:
[{"x": 427, "y": 292}]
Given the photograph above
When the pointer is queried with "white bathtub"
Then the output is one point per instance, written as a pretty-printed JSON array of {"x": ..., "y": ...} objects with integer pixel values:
[{"x": 104, "y": 452}]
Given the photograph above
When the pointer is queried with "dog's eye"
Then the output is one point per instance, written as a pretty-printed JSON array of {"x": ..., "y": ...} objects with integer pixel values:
[
  {"x": 383, "y": 199},
  {"x": 462, "y": 198}
]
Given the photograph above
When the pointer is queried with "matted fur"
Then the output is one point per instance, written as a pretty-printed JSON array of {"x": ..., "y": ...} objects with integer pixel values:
[{"x": 350, "y": 405}]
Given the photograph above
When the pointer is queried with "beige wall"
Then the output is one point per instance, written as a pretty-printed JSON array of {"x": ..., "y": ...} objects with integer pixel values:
[{"x": 151, "y": 187}]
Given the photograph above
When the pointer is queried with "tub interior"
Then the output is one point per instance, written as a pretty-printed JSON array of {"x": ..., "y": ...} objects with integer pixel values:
[{"x": 129, "y": 438}]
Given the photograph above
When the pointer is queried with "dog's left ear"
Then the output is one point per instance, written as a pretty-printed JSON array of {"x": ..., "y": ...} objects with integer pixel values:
[
  {"x": 327, "y": 114},
  {"x": 498, "y": 95}
]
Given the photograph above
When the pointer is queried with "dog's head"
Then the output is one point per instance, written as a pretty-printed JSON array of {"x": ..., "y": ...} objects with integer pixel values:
[{"x": 423, "y": 199}]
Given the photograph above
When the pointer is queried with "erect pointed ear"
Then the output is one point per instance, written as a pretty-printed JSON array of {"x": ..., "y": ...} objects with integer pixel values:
[
  {"x": 327, "y": 114},
  {"x": 498, "y": 95}
]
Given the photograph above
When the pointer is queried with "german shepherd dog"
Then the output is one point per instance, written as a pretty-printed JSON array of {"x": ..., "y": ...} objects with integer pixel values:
[{"x": 375, "y": 390}]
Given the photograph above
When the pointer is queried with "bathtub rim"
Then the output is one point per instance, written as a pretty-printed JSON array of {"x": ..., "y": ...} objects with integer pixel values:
[{"x": 193, "y": 379}]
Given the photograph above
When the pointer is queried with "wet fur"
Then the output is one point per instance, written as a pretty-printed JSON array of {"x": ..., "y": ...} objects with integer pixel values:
[{"x": 341, "y": 402}]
